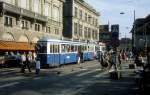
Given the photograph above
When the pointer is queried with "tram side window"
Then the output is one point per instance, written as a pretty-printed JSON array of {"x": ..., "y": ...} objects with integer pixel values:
[
  {"x": 91, "y": 48},
  {"x": 88, "y": 48},
  {"x": 72, "y": 48},
  {"x": 68, "y": 48},
  {"x": 64, "y": 49},
  {"x": 51, "y": 48},
  {"x": 58, "y": 48}
]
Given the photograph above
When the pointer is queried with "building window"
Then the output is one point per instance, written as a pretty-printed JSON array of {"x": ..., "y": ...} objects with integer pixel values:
[
  {"x": 24, "y": 24},
  {"x": 96, "y": 34},
  {"x": 37, "y": 27},
  {"x": 8, "y": 21},
  {"x": 80, "y": 30},
  {"x": 89, "y": 33},
  {"x": 76, "y": 12},
  {"x": 89, "y": 19},
  {"x": 56, "y": 31},
  {"x": 56, "y": 13},
  {"x": 75, "y": 29},
  {"x": 47, "y": 9},
  {"x": 80, "y": 15},
  {"x": 96, "y": 22},
  {"x": 93, "y": 20},
  {"x": 86, "y": 17},
  {"x": 37, "y": 6},
  {"x": 93, "y": 34},
  {"x": 23, "y": 4},
  {"x": 85, "y": 32},
  {"x": 48, "y": 30}
]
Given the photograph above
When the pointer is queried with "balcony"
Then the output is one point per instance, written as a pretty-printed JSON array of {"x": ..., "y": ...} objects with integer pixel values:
[
  {"x": 23, "y": 12},
  {"x": 27, "y": 13},
  {"x": 10, "y": 8},
  {"x": 40, "y": 17}
]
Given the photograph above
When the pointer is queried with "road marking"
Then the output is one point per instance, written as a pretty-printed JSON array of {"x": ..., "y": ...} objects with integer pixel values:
[
  {"x": 101, "y": 74},
  {"x": 85, "y": 73},
  {"x": 9, "y": 84}
]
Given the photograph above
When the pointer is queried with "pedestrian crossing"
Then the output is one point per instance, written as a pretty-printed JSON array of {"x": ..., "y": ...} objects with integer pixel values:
[
  {"x": 9, "y": 84},
  {"x": 88, "y": 72}
]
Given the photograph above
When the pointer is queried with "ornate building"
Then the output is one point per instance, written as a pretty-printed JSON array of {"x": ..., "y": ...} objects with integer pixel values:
[
  {"x": 80, "y": 21},
  {"x": 23, "y": 22}
]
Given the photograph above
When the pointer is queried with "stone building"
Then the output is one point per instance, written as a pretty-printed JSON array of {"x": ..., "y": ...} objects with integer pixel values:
[
  {"x": 23, "y": 22},
  {"x": 141, "y": 35},
  {"x": 80, "y": 21}
]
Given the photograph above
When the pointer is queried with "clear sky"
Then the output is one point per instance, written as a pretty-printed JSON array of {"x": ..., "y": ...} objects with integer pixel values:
[{"x": 110, "y": 12}]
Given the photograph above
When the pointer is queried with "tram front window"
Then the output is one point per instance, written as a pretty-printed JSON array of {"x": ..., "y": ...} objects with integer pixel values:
[{"x": 43, "y": 49}]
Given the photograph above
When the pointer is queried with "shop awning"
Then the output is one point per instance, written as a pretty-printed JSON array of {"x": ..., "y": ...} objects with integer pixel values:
[{"x": 22, "y": 46}]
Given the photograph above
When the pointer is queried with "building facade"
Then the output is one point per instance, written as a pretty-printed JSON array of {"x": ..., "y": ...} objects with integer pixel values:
[
  {"x": 80, "y": 21},
  {"x": 109, "y": 36},
  {"x": 24, "y": 22},
  {"x": 141, "y": 34}
]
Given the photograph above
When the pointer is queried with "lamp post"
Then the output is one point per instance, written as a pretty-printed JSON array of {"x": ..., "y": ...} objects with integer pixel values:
[{"x": 133, "y": 32}]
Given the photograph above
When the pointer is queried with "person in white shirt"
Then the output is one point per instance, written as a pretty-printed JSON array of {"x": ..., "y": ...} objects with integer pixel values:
[{"x": 23, "y": 62}]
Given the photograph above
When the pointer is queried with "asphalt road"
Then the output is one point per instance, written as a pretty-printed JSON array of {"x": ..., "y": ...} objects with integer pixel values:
[{"x": 84, "y": 79}]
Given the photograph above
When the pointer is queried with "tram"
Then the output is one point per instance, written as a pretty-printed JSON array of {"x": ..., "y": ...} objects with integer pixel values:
[
  {"x": 57, "y": 52},
  {"x": 101, "y": 47}
]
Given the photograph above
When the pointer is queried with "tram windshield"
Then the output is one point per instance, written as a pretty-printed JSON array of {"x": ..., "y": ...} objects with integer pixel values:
[{"x": 41, "y": 48}]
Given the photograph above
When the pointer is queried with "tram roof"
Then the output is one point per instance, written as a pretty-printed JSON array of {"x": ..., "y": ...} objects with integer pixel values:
[{"x": 60, "y": 41}]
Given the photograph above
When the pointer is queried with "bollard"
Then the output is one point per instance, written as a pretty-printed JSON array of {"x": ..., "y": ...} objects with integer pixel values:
[
  {"x": 131, "y": 66},
  {"x": 115, "y": 75}
]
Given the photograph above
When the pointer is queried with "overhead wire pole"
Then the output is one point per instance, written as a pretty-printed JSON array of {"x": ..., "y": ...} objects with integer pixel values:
[{"x": 133, "y": 34}]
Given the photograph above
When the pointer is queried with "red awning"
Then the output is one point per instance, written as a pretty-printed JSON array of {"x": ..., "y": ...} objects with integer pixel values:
[{"x": 23, "y": 46}]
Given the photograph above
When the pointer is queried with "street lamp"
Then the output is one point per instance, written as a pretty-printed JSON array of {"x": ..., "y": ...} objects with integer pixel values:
[{"x": 133, "y": 33}]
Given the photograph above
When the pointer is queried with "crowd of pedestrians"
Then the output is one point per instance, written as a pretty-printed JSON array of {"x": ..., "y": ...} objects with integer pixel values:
[
  {"x": 24, "y": 60},
  {"x": 112, "y": 59}
]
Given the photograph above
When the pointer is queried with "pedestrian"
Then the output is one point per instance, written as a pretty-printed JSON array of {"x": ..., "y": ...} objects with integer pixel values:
[
  {"x": 37, "y": 66},
  {"x": 119, "y": 58},
  {"x": 29, "y": 60},
  {"x": 130, "y": 55},
  {"x": 113, "y": 61},
  {"x": 102, "y": 60},
  {"x": 18, "y": 58},
  {"x": 81, "y": 57},
  {"x": 23, "y": 62},
  {"x": 78, "y": 57}
]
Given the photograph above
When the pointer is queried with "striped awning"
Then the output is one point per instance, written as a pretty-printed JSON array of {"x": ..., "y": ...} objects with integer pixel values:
[{"x": 10, "y": 45}]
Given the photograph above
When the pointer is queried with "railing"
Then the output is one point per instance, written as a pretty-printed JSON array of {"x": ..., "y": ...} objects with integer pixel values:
[
  {"x": 21, "y": 11},
  {"x": 27, "y": 13},
  {"x": 11, "y": 8}
]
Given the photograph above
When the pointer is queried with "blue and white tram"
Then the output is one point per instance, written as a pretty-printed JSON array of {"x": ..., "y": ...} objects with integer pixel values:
[{"x": 56, "y": 52}]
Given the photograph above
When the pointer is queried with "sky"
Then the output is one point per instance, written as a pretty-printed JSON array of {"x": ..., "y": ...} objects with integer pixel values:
[{"x": 110, "y": 12}]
